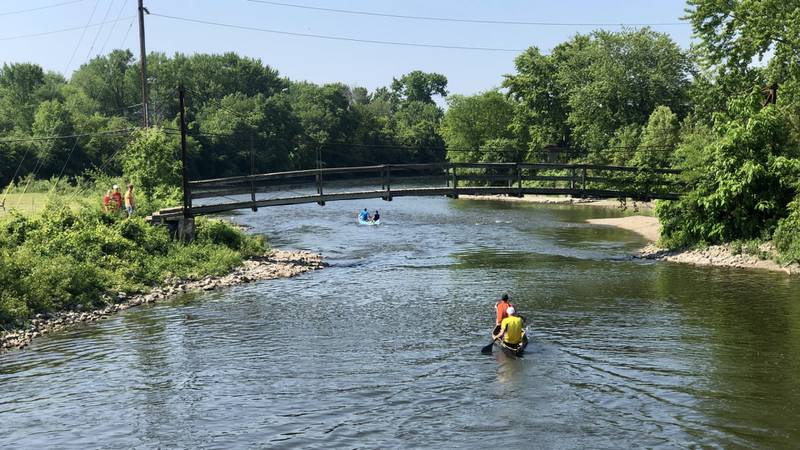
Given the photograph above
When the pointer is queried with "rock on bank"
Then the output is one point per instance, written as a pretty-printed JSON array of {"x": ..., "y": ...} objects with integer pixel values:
[{"x": 275, "y": 264}]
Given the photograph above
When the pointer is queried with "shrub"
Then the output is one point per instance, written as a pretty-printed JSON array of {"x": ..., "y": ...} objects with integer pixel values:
[
  {"x": 750, "y": 177},
  {"x": 223, "y": 233},
  {"x": 61, "y": 259},
  {"x": 787, "y": 235}
]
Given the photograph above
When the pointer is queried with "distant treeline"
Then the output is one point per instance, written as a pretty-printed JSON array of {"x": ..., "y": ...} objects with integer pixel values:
[{"x": 234, "y": 104}]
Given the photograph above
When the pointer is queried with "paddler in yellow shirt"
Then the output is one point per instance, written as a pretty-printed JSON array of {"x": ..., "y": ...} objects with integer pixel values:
[{"x": 511, "y": 328}]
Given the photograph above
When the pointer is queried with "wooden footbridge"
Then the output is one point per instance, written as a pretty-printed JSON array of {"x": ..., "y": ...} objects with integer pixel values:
[{"x": 422, "y": 180}]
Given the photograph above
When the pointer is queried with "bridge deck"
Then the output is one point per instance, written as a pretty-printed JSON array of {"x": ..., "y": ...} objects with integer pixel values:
[{"x": 409, "y": 192}]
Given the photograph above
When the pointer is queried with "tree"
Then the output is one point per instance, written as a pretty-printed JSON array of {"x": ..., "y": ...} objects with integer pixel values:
[
  {"x": 541, "y": 107},
  {"x": 326, "y": 117},
  {"x": 151, "y": 162},
  {"x": 593, "y": 85},
  {"x": 19, "y": 84},
  {"x": 51, "y": 119},
  {"x": 735, "y": 32},
  {"x": 752, "y": 173},
  {"x": 419, "y": 86},
  {"x": 416, "y": 125},
  {"x": 472, "y": 121},
  {"x": 239, "y": 124},
  {"x": 659, "y": 140},
  {"x": 105, "y": 80}
]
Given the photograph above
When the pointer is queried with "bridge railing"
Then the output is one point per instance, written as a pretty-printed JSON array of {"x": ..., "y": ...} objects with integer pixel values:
[
  {"x": 452, "y": 179},
  {"x": 575, "y": 176}
]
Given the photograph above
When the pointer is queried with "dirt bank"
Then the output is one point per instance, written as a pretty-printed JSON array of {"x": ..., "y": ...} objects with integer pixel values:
[
  {"x": 718, "y": 255},
  {"x": 275, "y": 264},
  {"x": 646, "y": 226}
]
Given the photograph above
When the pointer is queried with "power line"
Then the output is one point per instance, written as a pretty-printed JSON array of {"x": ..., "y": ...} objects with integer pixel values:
[
  {"x": 55, "y": 5},
  {"x": 69, "y": 136},
  {"x": 99, "y": 30},
  {"x": 124, "y": 39},
  {"x": 83, "y": 33},
  {"x": 453, "y": 19},
  {"x": 338, "y": 38},
  {"x": 62, "y": 30},
  {"x": 113, "y": 26}
]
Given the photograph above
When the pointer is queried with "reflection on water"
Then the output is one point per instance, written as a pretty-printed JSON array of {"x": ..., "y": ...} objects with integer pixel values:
[{"x": 382, "y": 349}]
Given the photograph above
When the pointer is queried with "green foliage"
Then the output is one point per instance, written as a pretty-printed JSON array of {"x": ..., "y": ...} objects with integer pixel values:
[
  {"x": 593, "y": 85},
  {"x": 472, "y": 121},
  {"x": 218, "y": 232},
  {"x": 752, "y": 174},
  {"x": 62, "y": 259},
  {"x": 735, "y": 32},
  {"x": 150, "y": 162},
  {"x": 787, "y": 235},
  {"x": 659, "y": 140},
  {"x": 419, "y": 86}
]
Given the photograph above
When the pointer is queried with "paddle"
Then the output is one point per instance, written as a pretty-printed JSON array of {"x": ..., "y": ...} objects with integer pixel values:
[{"x": 488, "y": 348}]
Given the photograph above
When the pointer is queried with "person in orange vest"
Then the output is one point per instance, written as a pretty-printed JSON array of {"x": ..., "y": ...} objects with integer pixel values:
[{"x": 502, "y": 306}]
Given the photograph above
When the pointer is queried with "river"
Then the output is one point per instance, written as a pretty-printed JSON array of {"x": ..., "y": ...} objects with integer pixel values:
[{"x": 382, "y": 348}]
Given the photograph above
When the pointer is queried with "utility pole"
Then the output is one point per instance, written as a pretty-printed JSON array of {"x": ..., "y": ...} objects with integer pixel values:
[
  {"x": 143, "y": 62},
  {"x": 187, "y": 198}
]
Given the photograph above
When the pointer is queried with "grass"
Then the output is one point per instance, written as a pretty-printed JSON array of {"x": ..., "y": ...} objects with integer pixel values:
[{"x": 35, "y": 202}]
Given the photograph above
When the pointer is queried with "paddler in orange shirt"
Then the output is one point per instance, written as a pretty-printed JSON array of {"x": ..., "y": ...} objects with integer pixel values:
[{"x": 502, "y": 309}]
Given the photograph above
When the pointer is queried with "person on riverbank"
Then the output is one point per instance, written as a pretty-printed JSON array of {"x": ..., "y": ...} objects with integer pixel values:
[
  {"x": 501, "y": 307},
  {"x": 130, "y": 200},
  {"x": 107, "y": 201},
  {"x": 510, "y": 328},
  {"x": 116, "y": 199},
  {"x": 364, "y": 215}
]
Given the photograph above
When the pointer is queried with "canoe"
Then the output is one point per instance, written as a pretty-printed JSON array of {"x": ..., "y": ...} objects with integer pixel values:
[
  {"x": 369, "y": 222},
  {"x": 512, "y": 350}
]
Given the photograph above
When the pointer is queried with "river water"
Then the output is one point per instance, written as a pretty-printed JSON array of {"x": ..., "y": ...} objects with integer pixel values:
[{"x": 382, "y": 348}]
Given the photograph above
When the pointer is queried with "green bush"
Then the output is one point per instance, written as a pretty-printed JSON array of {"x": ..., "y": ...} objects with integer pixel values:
[
  {"x": 223, "y": 233},
  {"x": 787, "y": 235},
  {"x": 750, "y": 176},
  {"x": 61, "y": 259}
]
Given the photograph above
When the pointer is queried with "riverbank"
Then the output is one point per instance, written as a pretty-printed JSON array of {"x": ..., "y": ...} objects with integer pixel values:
[
  {"x": 274, "y": 264},
  {"x": 563, "y": 200},
  {"x": 727, "y": 255}
]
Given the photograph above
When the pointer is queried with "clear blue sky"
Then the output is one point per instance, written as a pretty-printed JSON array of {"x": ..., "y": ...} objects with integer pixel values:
[{"x": 320, "y": 61}]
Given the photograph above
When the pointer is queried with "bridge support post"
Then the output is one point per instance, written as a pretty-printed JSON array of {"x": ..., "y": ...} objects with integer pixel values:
[
  {"x": 319, "y": 175},
  {"x": 455, "y": 183},
  {"x": 387, "y": 182},
  {"x": 186, "y": 229},
  {"x": 186, "y": 223},
  {"x": 518, "y": 173},
  {"x": 572, "y": 178},
  {"x": 253, "y": 172},
  {"x": 583, "y": 181}
]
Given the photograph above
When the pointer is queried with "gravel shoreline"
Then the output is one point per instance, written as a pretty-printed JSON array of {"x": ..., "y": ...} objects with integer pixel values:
[
  {"x": 274, "y": 264},
  {"x": 718, "y": 256},
  {"x": 563, "y": 200}
]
